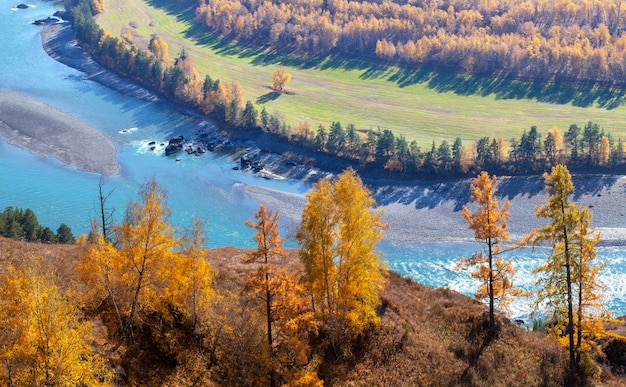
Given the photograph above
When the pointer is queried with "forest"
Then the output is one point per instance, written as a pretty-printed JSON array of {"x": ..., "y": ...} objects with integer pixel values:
[
  {"x": 150, "y": 305},
  {"x": 574, "y": 40}
]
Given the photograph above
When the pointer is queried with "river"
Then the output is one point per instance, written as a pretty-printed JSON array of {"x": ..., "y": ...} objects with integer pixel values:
[{"x": 205, "y": 186}]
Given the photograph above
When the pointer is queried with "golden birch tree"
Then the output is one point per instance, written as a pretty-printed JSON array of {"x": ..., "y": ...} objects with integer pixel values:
[
  {"x": 280, "y": 78},
  {"x": 489, "y": 223},
  {"x": 344, "y": 271},
  {"x": 146, "y": 250},
  {"x": 48, "y": 342},
  {"x": 159, "y": 48}
]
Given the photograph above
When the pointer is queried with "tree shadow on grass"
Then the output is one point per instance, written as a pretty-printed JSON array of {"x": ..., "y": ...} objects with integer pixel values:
[
  {"x": 502, "y": 86},
  {"x": 184, "y": 11},
  {"x": 267, "y": 97}
]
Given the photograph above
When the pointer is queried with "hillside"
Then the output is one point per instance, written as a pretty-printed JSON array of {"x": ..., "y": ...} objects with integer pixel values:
[{"x": 427, "y": 337}]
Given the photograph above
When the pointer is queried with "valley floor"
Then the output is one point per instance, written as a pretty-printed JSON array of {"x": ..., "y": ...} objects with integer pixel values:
[{"x": 419, "y": 211}]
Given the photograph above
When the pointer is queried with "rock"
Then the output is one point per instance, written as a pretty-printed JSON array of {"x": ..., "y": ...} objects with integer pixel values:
[
  {"x": 152, "y": 143},
  {"x": 22, "y": 6},
  {"x": 48, "y": 20},
  {"x": 61, "y": 14},
  {"x": 175, "y": 145}
]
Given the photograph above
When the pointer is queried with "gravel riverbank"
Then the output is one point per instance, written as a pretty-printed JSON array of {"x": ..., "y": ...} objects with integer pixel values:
[{"x": 44, "y": 130}]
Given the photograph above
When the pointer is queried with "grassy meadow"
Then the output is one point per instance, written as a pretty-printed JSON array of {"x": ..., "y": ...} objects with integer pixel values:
[{"x": 419, "y": 104}]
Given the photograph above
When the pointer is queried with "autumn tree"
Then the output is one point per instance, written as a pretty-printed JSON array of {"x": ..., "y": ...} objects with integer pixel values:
[
  {"x": 489, "y": 223},
  {"x": 269, "y": 244},
  {"x": 343, "y": 270},
  {"x": 44, "y": 341},
  {"x": 568, "y": 284},
  {"x": 280, "y": 78},
  {"x": 283, "y": 296},
  {"x": 589, "y": 304},
  {"x": 146, "y": 248},
  {"x": 99, "y": 271},
  {"x": 191, "y": 290},
  {"x": 159, "y": 48}
]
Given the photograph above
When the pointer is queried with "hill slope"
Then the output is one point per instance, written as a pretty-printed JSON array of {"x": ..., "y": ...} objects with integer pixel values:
[{"x": 427, "y": 337}]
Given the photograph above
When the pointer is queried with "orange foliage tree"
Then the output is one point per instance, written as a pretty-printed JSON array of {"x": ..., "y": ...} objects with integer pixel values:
[
  {"x": 489, "y": 223},
  {"x": 280, "y": 78},
  {"x": 284, "y": 299},
  {"x": 344, "y": 271},
  {"x": 146, "y": 267},
  {"x": 43, "y": 339}
]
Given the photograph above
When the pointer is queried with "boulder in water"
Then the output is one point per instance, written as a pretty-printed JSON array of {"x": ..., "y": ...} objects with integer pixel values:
[{"x": 175, "y": 145}]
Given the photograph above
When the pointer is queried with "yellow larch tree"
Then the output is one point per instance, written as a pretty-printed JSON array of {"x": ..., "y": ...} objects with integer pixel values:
[
  {"x": 288, "y": 319},
  {"x": 191, "y": 290},
  {"x": 98, "y": 271},
  {"x": 269, "y": 245},
  {"x": 568, "y": 286},
  {"x": 489, "y": 223},
  {"x": 49, "y": 343},
  {"x": 147, "y": 244},
  {"x": 589, "y": 308},
  {"x": 343, "y": 270}
]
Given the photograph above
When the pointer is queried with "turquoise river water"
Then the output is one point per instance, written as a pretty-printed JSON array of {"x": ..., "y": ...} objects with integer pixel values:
[{"x": 205, "y": 186}]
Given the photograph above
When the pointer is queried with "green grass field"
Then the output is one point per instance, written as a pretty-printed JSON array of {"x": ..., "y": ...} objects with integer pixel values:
[{"x": 421, "y": 105}]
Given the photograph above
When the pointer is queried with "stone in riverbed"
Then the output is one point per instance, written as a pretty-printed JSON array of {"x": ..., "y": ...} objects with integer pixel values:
[
  {"x": 48, "y": 20},
  {"x": 22, "y": 6},
  {"x": 175, "y": 145}
]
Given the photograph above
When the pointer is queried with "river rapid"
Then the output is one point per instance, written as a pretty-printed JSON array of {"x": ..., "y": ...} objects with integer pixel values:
[{"x": 204, "y": 186}]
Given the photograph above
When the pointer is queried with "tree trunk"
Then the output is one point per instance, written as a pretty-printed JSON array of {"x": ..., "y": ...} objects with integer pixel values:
[
  {"x": 492, "y": 316},
  {"x": 570, "y": 307}
]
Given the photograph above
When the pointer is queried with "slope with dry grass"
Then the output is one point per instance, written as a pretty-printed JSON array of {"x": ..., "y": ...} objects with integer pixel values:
[{"x": 428, "y": 337}]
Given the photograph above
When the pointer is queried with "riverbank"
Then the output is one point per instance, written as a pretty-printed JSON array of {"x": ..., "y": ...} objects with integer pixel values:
[
  {"x": 46, "y": 131},
  {"x": 419, "y": 211},
  {"x": 431, "y": 211}
]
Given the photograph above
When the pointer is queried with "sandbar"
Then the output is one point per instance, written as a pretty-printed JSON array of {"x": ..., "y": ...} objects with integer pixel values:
[{"x": 47, "y": 131}]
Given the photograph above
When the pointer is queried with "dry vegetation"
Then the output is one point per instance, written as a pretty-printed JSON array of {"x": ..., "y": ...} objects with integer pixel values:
[{"x": 427, "y": 337}]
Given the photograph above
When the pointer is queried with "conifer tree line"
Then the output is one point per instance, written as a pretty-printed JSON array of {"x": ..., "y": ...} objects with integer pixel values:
[
  {"x": 375, "y": 150},
  {"x": 20, "y": 224}
]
